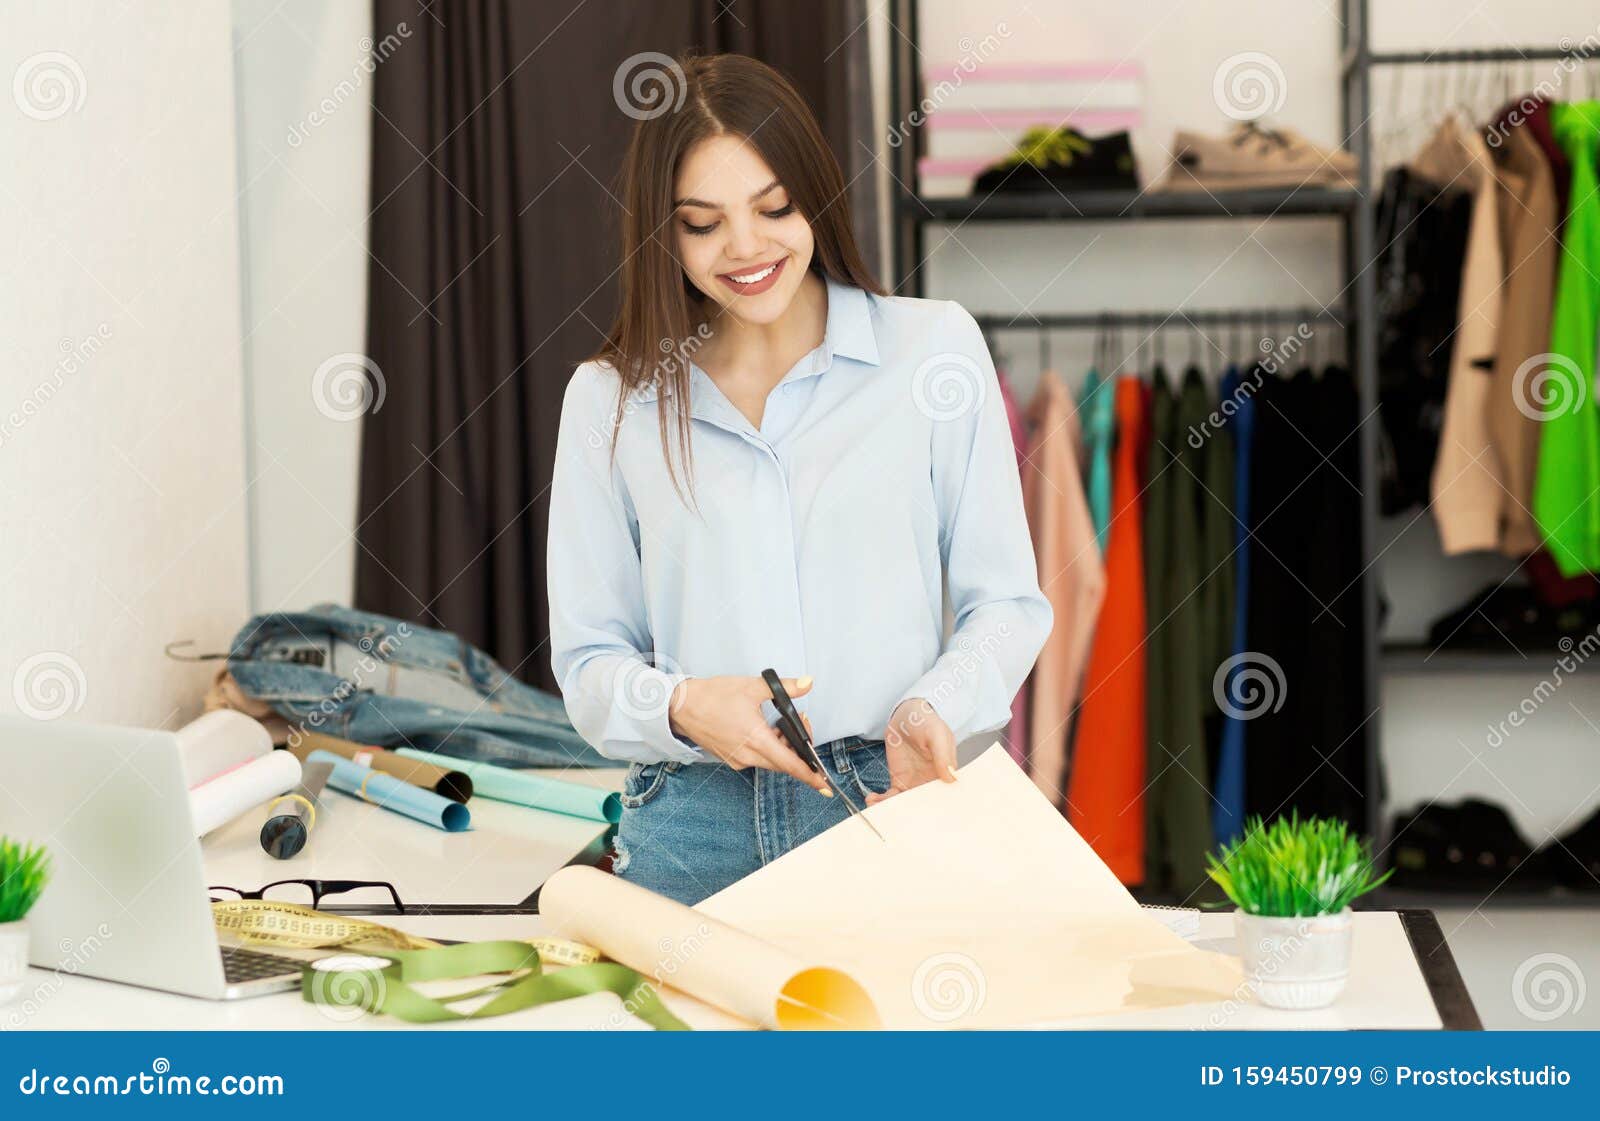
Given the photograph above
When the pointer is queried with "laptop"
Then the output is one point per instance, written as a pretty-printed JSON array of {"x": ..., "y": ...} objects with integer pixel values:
[{"x": 127, "y": 898}]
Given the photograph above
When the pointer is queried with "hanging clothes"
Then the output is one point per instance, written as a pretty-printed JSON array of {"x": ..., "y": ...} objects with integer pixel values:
[
  {"x": 1016, "y": 737},
  {"x": 1466, "y": 490},
  {"x": 1422, "y": 234},
  {"x": 1308, "y": 711},
  {"x": 1071, "y": 574},
  {"x": 1227, "y": 789},
  {"x": 1105, "y": 787},
  {"x": 1568, "y": 474},
  {"x": 1529, "y": 220},
  {"x": 1097, "y": 407},
  {"x": 1188, "y": 592}
]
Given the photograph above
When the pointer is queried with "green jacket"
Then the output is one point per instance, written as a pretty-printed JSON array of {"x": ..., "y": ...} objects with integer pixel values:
[{"x": 1566, "y": 488}]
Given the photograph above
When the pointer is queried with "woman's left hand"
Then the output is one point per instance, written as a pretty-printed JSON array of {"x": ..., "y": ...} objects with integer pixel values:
[{"x": 920, "y": 748}]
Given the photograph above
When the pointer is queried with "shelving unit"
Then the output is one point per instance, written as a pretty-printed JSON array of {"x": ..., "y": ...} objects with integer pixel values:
[{"x": 1354, "y": 209}]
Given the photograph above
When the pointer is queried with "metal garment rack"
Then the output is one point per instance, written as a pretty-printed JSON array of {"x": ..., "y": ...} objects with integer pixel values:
[{"x": 1354, "y": 209}]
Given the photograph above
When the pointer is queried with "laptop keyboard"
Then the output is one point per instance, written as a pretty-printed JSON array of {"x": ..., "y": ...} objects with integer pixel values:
[{"x": 240, "y": 965}]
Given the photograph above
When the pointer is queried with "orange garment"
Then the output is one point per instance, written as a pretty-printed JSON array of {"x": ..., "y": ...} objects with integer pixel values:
[
  {"x": 1071, "y": 574},
  {"x": 1105, "y": 791}
]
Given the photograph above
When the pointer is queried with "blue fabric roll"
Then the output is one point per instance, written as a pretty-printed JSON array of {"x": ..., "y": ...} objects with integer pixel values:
[{"x": 394, "y": 794}]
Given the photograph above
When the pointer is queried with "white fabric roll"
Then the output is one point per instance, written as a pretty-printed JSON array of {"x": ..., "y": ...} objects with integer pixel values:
[
  {"x": 228, "y": 795},
  {"x": 218, "y": 742}
]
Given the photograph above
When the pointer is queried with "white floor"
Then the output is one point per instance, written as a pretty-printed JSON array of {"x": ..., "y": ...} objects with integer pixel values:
[{"x": 1529, "y": 969}]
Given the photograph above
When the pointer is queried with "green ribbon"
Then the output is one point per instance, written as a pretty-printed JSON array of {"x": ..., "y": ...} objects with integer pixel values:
[{"x": 388, "y": 990}]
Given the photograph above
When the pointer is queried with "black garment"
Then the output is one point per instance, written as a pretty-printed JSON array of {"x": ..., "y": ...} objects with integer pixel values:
[
  {"x": 1310, "y": 724},
  {"x": 1188, "y": 595},
  {"x": 1422, "y": 239}
]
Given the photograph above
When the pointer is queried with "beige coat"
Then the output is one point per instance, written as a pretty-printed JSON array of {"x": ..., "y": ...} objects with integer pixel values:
[
  {"x": 1531, "y": 247},
  {"x": 1468, "y": 495}
]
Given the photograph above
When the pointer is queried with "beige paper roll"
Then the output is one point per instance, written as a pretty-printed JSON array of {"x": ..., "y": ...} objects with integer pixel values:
[
  {"x": 452, "y": 784},
  {"x": 228, "y": 795},
  {"x": 218, "y": 742},
  {"x": 710, "y": 960}
]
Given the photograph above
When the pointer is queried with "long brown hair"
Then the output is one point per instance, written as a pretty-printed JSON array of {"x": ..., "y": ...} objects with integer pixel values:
[{"x": 720, "y": 94}]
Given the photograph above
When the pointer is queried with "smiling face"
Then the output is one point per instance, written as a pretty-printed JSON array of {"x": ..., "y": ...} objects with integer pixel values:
[{"x": 740, "y": 239}]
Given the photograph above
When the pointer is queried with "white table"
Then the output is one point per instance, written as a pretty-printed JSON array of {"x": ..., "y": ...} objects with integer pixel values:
[{"x": 1399, "y": 979}]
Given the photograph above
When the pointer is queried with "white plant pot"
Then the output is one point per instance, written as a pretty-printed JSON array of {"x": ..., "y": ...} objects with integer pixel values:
[
  {"x": 1295, "y": 962},
  {"x": 13, "y": 958}
]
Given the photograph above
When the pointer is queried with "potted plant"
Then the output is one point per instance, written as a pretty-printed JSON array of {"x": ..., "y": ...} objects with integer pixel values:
[
  {"x": 24, "y": 869},
  {"x": 1293, "y": 882}
]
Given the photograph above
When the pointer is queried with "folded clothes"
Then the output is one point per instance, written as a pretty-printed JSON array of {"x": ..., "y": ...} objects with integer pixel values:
[{"x": 390, "y": 683}]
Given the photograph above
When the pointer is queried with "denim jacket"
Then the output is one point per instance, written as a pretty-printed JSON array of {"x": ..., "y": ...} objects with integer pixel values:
[{"x": 391, "y": 683}]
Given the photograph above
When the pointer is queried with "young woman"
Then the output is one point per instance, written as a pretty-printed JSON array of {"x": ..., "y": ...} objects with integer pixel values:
[{"x": 772, "y": 463}]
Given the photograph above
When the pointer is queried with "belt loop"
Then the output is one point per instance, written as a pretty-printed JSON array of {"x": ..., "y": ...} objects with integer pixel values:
[{"x": 840, "y": 749}]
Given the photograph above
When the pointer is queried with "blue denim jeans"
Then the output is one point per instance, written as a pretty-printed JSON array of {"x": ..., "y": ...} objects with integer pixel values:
[
  {"x": 392, "y": 683},
  {"x": 688, "y": 830}
]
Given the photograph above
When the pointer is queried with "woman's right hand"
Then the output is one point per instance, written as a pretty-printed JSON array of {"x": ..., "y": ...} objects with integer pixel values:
[{"x": 723, "y": 715}]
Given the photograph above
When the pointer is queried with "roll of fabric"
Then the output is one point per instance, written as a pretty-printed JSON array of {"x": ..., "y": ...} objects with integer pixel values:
[
  {"x": 230, "y": 794},
  {"x": 393, "y": 794},
  {"x": 218, "y": 742},
  {"x": 506, "y": 785},
  {"x": 447, "y": 780}
]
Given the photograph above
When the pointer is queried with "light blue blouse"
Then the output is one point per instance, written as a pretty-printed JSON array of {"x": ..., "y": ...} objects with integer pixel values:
[{"x": 822, "y": 541}]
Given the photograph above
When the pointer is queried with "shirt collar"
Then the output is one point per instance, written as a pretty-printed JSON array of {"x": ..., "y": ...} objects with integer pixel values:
[{"x": 848, "y": 334}]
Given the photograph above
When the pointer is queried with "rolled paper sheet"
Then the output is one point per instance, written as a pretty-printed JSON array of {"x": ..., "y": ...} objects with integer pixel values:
[
  {"x": 291, "y": 818},
  {"x": 435, "y": 773},
  {"x": 218, "y": 742},
  {"x": 710, "y": 960},
  {"x": 394, "y": 794},
  {"x": 504, "y": 784},
  {"x": 230, "y": 794}
]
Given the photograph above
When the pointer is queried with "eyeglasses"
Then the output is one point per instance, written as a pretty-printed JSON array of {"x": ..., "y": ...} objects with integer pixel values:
[{"x": 304, "y": 892}]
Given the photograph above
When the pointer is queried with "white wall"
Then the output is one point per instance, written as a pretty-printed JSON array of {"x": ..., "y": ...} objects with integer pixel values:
[
  {"x": 305, "y": 120},
  {"x": 121, "y": 457},
  {"x": 1433, "y": 727}
]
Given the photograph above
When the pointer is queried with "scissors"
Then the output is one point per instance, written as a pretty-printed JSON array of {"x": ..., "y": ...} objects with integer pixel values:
[{"x": 794, "y": 731}]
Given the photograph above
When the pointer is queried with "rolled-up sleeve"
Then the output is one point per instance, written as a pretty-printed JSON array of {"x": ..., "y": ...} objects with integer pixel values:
[
  {"x": 600, "y": 639},
  {"x": 1001, "y": 617}
]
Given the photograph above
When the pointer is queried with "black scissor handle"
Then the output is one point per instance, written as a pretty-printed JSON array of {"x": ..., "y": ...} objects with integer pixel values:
[{"x": 789, "y": 722}]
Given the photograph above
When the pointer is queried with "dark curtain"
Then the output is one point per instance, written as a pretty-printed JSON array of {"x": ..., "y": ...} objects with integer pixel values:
[{"x": 496, "y": 141}]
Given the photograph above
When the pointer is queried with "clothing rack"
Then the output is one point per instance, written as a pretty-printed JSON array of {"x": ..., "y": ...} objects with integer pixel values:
[
  {"x": 1177, "y": 319},
  {"x": 1355, "y": 210}
]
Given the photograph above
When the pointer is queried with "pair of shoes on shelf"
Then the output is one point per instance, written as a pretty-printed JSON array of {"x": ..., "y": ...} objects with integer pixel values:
[
  {"x": 1471, "y": 845},
  {"x": 1512, "y": 618},
  {"x": 1572, "y": 861},
  {"x": 1063, "y": 160},
  {"x": 1254, "y": 157}
]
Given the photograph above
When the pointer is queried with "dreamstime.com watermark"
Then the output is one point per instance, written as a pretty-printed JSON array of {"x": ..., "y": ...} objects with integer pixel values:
[
  {"x": 1277, "y": 952},
  {"x": 1547, "y": 987},
  {"x": 973, "y": 54},
  {"x": 374, "y": 655},
  {"x": 49, "y": 685},
  {"x": 74, "y": 357},
  {"x": 74, "y": 957},
  {"x": 1274, "y": 357},
  {"x": 676, "y": 354},
  {"x": 1248, "y": 86},
  {"x": 1545, "y": 89},
  {"x": 675, "y": 953},
  {"x": 158, "y": 1081},
  {"x": 1573, "y": 655},
  {"x": 373, "y": 55}
]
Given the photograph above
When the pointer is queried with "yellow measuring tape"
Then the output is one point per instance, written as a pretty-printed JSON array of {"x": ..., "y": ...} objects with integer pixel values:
[{"x": 292, "y": 926}]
